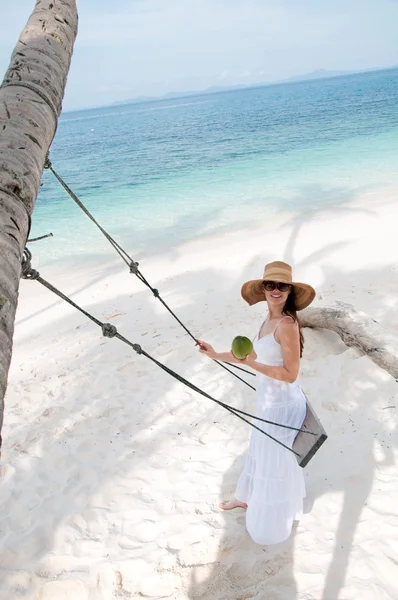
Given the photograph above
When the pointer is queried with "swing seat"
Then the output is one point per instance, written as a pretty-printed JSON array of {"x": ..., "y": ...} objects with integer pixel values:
[{"x": 306, "y": 445}]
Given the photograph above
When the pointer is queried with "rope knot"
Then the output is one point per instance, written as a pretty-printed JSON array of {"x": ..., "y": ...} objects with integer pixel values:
[
  {"x": 156, "y": 293},
  {"x": 27, "y": 271},
  {"x": 47, "y": 162},
  {"x": 137, "y": 348},
  {"x": 134, "y": 267},
  {"x": 109, "y": 330}
]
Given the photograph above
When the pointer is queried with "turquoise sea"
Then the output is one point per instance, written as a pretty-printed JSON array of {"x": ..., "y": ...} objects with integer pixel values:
[{"x": 165, "y": 171}]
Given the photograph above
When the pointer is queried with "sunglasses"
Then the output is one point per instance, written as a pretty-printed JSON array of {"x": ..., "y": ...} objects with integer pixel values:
[{"x": 270, "y": 286}]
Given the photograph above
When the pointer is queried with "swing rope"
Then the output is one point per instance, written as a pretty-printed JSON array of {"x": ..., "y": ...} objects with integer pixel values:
[
  {"x": 134, "y": 268},
  {"x": 110, "y": 331},
  {"x": 42, "y": 237}
]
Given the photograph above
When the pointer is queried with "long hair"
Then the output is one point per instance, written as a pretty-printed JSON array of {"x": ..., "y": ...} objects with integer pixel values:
[{"x": 291, "y": 310}]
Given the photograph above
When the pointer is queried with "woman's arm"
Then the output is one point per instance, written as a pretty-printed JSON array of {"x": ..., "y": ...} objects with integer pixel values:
[
  {"x": 290, "y": 342},
  {"x": 227, "y": 357},
  {"x": 208, "y": 350}
]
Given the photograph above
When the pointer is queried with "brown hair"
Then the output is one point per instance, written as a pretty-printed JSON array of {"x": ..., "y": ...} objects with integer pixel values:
[{"x": 291, "y": 310}]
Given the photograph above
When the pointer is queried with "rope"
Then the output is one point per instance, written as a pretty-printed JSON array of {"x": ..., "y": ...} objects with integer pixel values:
[
  {"x": 36, "y": 90},
  {"x": 42, "y": 237},
  {"x": 110, "y": 331},
  {"x": 133, "y": 267}
]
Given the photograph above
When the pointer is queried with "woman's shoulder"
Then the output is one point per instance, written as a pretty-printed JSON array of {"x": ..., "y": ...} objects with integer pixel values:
[
  {"x": 288, "y": 320},
  {"x": 288, "y": 324}
]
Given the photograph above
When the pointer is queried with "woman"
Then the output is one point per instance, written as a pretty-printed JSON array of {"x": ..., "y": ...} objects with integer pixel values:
[{"x": 271, "y": 485}]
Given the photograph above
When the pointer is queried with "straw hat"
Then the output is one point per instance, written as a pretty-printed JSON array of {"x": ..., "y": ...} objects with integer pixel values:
[{"x": 253, "y": 291}]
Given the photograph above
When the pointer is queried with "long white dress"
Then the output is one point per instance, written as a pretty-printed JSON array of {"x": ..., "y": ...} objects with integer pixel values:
[{"x": 272, "y": 482}]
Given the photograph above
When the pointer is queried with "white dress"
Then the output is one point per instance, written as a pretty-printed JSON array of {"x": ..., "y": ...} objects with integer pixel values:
[{"x": 272, "y": 482}]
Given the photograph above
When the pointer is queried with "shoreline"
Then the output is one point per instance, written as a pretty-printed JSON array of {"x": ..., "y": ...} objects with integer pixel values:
[{"x": 264, "y": 221}]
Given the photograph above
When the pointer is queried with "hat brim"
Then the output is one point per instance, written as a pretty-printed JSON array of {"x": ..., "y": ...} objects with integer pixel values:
[{"x": 253, "y": 292}]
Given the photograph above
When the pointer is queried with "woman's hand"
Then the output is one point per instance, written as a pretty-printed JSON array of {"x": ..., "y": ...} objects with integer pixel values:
[
  {"x": 206, "y": 349},
  {"x": 250, "y": 359}
]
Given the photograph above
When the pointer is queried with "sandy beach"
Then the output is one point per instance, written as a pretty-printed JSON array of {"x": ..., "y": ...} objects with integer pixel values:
[{"x": 112, "y": 471}]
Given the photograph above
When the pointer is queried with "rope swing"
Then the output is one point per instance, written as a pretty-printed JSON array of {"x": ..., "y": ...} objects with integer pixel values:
[{"x": 110, "y": 331}]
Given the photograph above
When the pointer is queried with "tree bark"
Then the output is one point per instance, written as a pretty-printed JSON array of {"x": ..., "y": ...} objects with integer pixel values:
[
  {"x": 30, "y": 103},
  {"x": 359, "y": 330}
]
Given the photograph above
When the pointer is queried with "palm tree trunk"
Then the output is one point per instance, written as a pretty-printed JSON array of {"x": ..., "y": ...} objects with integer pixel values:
[{"x": 30, "y": 103}]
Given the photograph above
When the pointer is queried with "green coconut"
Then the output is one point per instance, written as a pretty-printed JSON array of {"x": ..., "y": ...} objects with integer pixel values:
[{"x": 241, "y": 347}]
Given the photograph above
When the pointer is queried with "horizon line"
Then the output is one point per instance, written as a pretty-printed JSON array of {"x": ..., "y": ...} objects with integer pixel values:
[{"x": 231, "y": 88}]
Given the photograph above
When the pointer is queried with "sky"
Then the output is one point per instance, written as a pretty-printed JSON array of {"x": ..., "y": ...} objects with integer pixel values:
[{"x": 131, "y": 48}]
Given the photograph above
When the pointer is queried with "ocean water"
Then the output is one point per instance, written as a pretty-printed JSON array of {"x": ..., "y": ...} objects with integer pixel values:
[{"x": 162, "y": 172}]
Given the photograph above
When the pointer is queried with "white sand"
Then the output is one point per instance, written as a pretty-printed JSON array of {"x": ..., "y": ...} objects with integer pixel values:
[{"x": 112, "y": 471}]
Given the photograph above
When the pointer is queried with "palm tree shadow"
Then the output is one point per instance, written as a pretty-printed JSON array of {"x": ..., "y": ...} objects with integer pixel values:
[
  {"x": 355, "y": 486},
  {"x": 353, "y": 414},
  {"x": 332, "y": 204}
]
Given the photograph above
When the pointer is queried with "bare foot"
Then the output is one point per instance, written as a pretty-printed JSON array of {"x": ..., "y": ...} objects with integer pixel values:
[{"x": 231, "y": 504}]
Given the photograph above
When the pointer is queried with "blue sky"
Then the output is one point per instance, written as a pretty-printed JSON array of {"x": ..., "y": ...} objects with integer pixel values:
[{"x": 129, "y": 48}]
